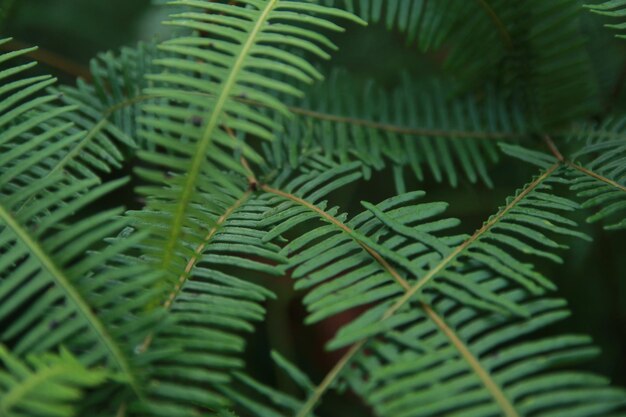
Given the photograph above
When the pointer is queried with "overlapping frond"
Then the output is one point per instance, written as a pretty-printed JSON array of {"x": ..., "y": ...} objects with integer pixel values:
[
  {"x": 490, "y": 365},
  {"x": 467, "y": 29},
  {"x": 594, "y": 171},
  {"x": 561, "y": 85},
  {"x": 260, "y": 400},
  {"x": 69, "y": 122},
  {"x": 615, "y": 9},
  {"x": 598, "y": 174},
  {"x": 414, "y": 127},
  {"x": 396, "y": 254},
  {"x": 231, "y": 55},
  {"x": 360, "y": 261},
  {"x": 51, "y": 294},
  {"x": 61, "y": 377},
  {"x": 210, "y": 305}
]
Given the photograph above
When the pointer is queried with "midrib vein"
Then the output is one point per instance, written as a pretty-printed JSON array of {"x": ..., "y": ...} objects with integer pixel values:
[
  {"x": 344, "y": 228},
  {"x": 191, "y": 263},
  {"x": 494, "y": 389},
  {"x": 66, "y": 286},
  {"x": 410, "y": 291},
  {"x": 459, "y": 249},
  {"x": 207, "y": 136},
  {"x": 597, "y": 176}
]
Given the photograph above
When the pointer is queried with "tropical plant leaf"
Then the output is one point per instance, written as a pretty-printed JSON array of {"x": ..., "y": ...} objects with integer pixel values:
[
  {"x": 240, "y": 45},
  {"x": 210, "y": 305},
  {"x": 535, "y": 46},
  {"x": 360, "y": 261},
  {"x": 490, "y": 364},
  {"x": 90, "y": 304},
  {"x": 61, "y": 377}
]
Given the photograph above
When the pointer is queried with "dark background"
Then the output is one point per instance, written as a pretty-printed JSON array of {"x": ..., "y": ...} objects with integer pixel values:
[{"x": 593, "y": 278}]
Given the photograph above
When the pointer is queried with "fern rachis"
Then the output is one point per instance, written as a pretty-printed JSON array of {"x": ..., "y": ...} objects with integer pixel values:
[{"x": 245, "y": 174}]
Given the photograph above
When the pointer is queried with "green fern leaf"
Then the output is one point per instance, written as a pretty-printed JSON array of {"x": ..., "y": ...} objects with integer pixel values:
[
  {"x": 414, "y": 127},
  {"x": 614, "y": 9},
  {"x": 351, "y": 263},
  {"x": 196, "y": 126},
  {"x": 208, "y": 308},
  {"x": 61, "y": 377},
  {"x": 72, "y": 300},
  {"x": 452, "y": 351}
]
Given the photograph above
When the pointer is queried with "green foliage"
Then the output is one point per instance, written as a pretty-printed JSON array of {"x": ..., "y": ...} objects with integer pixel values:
[
  {"x": 613, "y": 9},
  {"x": 60, "y": 378},
  {"x": 241, "y": 174},
  {"x": 423, "y": 131}
]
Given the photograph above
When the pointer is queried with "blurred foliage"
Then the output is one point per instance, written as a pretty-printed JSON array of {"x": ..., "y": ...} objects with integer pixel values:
[{"x": 75, "y": 30}]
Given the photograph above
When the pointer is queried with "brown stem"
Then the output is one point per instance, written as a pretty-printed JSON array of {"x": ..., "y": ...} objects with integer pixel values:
[
  {"x": 552, "y": 146},
  {"x": 51, "y": 59},
  {"x": 504, "y": 34}
]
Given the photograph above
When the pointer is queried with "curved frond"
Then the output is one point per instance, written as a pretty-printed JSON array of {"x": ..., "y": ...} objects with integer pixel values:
[
  {"x": 469, "y": 29},
  {"x": 347, "y": 263},
  {"x": 83, "y": 303},
  {"x": 261, "y": 400},
  {"x": 61, "y": 377},
  {"x": 595, "y": 172},
  {"x": 395, "y": 253},
  {"x": 598, "y": 176},
  {"x": 534, "y": 46},
  {"x": 107, "y": 109}
]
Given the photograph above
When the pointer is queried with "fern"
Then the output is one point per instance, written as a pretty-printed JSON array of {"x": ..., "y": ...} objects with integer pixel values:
[
  {"x": 537, "y": 45},
  {"x": 389, "y": 231},
  {"x": 245, "y": 172},
  {"x": 613, "y": 9},
  {"x": 248, "y": 34},
  {"x": 61, "y": 377},
  {"x": 422, "y": 130},
  {"x": 450, "y": 351}
]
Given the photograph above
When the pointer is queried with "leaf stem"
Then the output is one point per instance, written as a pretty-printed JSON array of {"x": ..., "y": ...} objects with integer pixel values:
[
  {"x": 205, "y": 141},
  {"x": 342, "y": 226},
  {"x": 194, "y": 259}
]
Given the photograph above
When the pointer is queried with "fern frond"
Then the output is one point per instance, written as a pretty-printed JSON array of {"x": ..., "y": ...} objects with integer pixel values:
[
  {"x": 260, "y": 400},
  {"x": 598, "y": 177},
  {"x": 612, "y": 8},
  {"x": 201, "y": 79},
  {"x": 79, "y": 137},
  {"x": 88, "y": 304},
  {"x": 452, "y": 351},
  {"x": 468, "y": 29},
  {"x": 595, "y": 172},
  {"x": 61, "y": 377},
  {"x": 415, "y": 127},
  {"x": 106, "y": 109},
  {"x": 208, "y": 307},
  {"x": 562, "y": 83},
  {"x": 348, "y": 262},
  {"x": 535, "y": 46},
  {"x": 397, "y": 245}
]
